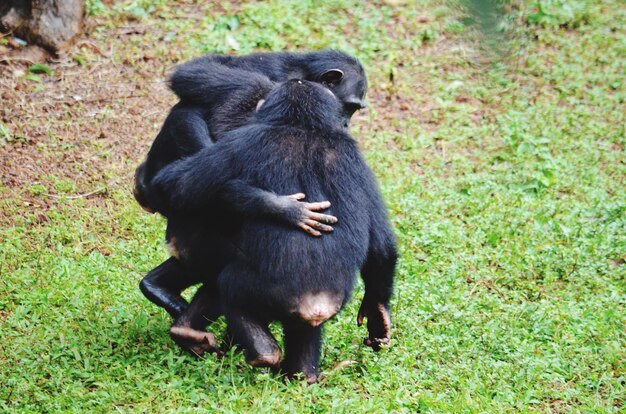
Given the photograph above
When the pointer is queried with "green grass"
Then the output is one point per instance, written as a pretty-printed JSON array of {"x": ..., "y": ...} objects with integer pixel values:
[{"x": 505, "y": 178}]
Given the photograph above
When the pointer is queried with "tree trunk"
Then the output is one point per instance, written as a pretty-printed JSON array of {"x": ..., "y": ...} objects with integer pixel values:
[{"x": 51, "y": 24}]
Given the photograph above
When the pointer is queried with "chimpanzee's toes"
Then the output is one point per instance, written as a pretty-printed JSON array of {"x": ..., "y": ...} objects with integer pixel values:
[
  {"x": 310, "y": 377},
  {"x": 195, "y": 342},
  {"x": 376, "y": 343},
  {"x": 269, "y": 358}
]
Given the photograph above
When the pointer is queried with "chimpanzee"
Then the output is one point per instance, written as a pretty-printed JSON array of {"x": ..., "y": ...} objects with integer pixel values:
[
  {"x": 201, "y": 81},
  {"x": 296, "y": 142},
  {"x": 220, "y": 93}
]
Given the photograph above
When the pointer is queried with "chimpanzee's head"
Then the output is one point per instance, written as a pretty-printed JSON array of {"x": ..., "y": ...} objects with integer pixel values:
[
  {"x": 302, "y": 104},
  {"x": 343, "y": 75}
]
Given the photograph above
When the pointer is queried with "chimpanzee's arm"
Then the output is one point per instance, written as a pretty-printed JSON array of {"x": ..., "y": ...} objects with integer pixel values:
[
  {"x": 192, "y": 182},
  {"x": 208, "y": 81},
  {"x": 184, "y": 132},
  {"x": 377, "y": 273},
  {"x": 198, "y": 180},
  {"x": 254, "y": 202}
]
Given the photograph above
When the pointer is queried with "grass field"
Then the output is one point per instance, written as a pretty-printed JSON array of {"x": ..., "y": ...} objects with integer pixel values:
[{"x": 502, "y": 157}]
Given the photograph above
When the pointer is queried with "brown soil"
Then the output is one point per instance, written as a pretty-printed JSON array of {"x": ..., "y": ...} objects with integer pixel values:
[{"x": 88, "y": 126}]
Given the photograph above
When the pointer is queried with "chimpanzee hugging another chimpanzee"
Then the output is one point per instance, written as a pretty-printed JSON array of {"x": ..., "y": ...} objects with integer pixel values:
[
  {"x": 296, "y": 141},
  {"x": 219, "y": 93}
]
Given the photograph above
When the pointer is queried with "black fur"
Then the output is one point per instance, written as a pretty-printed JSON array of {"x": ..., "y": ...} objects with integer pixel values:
[
  {"x": 195, "y": 81},
  {"x": 295, "y": 143},
  {"x": 219, "y": 93},
  {"x": 192, "y": 126}
]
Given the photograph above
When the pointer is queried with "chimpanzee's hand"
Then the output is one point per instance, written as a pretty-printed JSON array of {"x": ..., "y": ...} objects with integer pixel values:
[
  {"x": 378, "y": 323},
  {"x": 139, "y": 188},
  {"x": 156, "y": 198},
  {"x": 304, "y": 215}
]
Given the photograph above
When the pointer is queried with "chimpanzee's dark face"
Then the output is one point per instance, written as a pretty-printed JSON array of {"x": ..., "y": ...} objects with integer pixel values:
[{"x": 349, "y": 87}]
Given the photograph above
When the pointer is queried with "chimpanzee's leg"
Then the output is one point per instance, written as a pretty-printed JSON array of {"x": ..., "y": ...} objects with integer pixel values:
[
  {"x": 303, "y": 345},
  {"x": 188, "y": 330},
  {"x": 378, "y": 273},
  {"x": 163, "y": 285},
  {"x": 247, "y": 321},
  {"x": 254, "y": 336},
  {"x": 204, "y": 309}
]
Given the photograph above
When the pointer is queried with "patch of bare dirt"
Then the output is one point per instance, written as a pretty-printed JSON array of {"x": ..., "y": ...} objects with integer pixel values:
[{"x": 88, "y": 126}]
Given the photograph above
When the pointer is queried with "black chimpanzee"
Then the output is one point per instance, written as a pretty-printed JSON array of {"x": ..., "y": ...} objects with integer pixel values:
[
  {"x": 220, "y": 93},
  {"x": 295, "y": 143},
  {"x": 164, "y": 284},
  {"x": 201, "y": 81}
]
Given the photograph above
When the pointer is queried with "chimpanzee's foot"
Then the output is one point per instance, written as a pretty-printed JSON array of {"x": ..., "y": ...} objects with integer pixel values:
[
  {"x": 254, "y": 337},
  {"x": 270, "y": 358},
  {"x": 195, "y": 342},
  {"x": 290, "y": 373},
  {"x": 302, "y": 350},
  {"x": 378, "y": 323},
  {"x": 311, "y": 378}
]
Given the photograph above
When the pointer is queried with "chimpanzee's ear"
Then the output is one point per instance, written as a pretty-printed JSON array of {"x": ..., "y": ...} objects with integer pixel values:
[
  {"x": 332, "y": 76},
  {"x": 259, "y": 104}
]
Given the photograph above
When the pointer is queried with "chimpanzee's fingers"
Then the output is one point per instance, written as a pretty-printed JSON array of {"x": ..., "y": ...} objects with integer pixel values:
[
  {"x": 375, "y": 343},
  {"x": 379, "y": 322},
  {"x": 317, "y": 225},
  {"x": 320, "y": 205},
  {"x": 297, "y": 196},
  {"x": 309, "y": 230},
  {"x": 359, "y": 318},
  {"x": 322, "y": 218}
]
